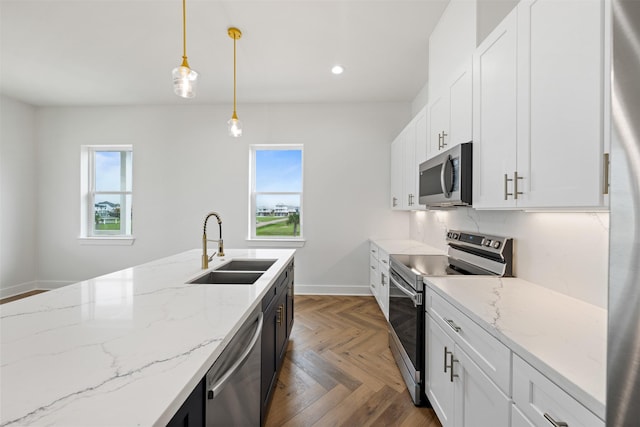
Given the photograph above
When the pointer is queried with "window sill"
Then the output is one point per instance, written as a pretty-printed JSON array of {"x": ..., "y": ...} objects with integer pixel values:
[
  {"x": 107, "y": 241},
  {"x": 278, "y": 243}
]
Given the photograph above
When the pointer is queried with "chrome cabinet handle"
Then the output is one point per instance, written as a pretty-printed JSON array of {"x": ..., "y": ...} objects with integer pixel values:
[
  {"x": 605, "y": 172},
  {"x": 555, "y": 423},
  {"x": 395, "y": 202},
  {"x": 515, "y": 185},
  {"x": 506, "y": 180},
  {"x": 373, "y": 267},
  {"x": 452, "y": 375},
  {"x": 441, "y": 143},
  {"x": 445, "y": 359},
  {"x": 453, "y": 326},
  {"x": 385, "y": 261},
  {"x": 382, "y": 278}
]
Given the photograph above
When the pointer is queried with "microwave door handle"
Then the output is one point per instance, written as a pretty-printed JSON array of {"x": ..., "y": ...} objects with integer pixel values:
[{"x": 445, "y": 177}]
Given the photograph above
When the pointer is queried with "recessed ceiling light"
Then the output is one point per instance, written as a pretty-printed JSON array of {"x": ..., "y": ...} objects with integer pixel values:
[{"x": 337, "y": 69}]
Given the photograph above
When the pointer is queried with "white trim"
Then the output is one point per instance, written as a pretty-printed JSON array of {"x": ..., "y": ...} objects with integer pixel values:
[
  {"x": 277, "y": 243},
  {"x": 346, "y": 290},
  {"x": 50, "y": 285},
  {"x": 107, "y": 241},
  {"x": 18, "y": 289}
]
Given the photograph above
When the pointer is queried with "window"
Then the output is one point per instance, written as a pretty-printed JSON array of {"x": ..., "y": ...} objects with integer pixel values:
[
  {"x": 106, "y": 197},
  {"x": 276, "y": 193}
]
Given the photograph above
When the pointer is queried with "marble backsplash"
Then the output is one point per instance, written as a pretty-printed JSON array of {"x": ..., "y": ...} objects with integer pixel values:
[{"x": 566, "y": 251}]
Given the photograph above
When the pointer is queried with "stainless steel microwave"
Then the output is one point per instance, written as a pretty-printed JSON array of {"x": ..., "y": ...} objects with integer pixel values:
[{"x": 445, "y": 180}]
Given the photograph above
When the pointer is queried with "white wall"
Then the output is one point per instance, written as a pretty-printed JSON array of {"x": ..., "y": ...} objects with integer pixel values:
[
  {"x": 566, "y": 252},
  {"x": 17, "y": 197},
  {"x": 185, "y": 165}
]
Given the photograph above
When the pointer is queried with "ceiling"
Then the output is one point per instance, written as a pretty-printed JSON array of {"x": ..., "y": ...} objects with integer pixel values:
[{"x": 121, "y": 52}]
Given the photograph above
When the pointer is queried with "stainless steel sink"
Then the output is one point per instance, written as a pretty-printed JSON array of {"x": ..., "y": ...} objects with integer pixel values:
[
  {"x": 247, "y": 265},
  {"x": 216, "y": 277}
]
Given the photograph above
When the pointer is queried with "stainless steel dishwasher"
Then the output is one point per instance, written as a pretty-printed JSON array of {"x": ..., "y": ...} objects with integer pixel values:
[{"x": 233, "y": 382}]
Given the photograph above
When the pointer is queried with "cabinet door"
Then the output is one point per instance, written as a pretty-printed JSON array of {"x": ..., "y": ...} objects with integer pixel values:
[
  {"x": 478, "y": 401},
  {"x": 410, "y": 167},
  {"x": 397, "y": 173},
  {"x": 290, "y": 300},
  {"x": 281, "y": 329},
  {"x": 461, "y": 107},
  {"x": 518, "y": 419},
  {"x": 422, "y": 136},
  {"x": 440, "y": 390},
  {"x": 494, "y": 116},
  {"x": 560, "y": 102},
  {"x": 268, "y": 356},
  {"x": 439, "y": 124}
]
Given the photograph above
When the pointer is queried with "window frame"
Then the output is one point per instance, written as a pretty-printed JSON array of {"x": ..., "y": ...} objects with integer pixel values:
[
  {"x": 88, "y": 234},
  {"x": 253, "y": 239}
]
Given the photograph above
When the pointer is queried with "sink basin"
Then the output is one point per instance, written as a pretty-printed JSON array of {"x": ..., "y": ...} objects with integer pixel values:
[
  {"x": 247, "y": 265},
  {"x": 228, "y": 278}
]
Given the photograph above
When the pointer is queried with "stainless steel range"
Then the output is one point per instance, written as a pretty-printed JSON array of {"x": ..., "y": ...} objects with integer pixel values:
[{"x": 468, "y": 253}]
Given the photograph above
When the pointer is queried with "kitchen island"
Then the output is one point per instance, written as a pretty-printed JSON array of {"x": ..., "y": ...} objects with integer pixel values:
[{"x": 126, "y": 348}]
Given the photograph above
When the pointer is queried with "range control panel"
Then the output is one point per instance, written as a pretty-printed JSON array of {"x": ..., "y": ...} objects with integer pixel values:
[{"x": 480, "y": 241}]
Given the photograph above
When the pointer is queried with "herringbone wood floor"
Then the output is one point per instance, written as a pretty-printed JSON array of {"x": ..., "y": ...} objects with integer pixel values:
[{"x": 339, "y": 370}]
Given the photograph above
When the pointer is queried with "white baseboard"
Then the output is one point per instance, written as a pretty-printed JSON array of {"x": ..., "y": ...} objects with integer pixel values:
[
  {"x": 32, "y": 286},
  {"x": 53, "y": 284},
  {"x": 18, "y": 289},
  {"x": 332, "y": 290}
]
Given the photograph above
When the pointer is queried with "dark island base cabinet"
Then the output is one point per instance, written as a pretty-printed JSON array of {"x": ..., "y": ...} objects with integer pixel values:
[
  {"x": 191, "y": 413},
  {"x": 277, "y": 307}
]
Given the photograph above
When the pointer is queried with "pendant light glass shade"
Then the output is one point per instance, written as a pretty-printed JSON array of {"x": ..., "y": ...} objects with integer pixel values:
[
  {"x": 184, "y": 78},
  {"x": 235, "y": 126},
  {"x": 185, "y": 81}
]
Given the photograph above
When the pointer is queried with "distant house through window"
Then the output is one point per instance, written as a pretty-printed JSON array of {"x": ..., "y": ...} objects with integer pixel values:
[
  {"x": 276, "y": 192},
  {"x": 106, "y": 197}
]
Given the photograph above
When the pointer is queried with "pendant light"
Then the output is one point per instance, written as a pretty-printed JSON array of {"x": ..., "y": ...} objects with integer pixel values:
[
  {"x": 235, "y": 126},
  {"x": 184, "y": 78}
]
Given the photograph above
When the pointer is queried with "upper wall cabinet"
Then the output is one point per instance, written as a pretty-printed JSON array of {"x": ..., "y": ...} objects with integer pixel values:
[
  {"x": 495, "y": 127},
  {"x": 540, "y": 92},
  {"x": 450, "y": 114},
  {"x": 408, "y": 150},
  {"x": 451, "y": 43}
]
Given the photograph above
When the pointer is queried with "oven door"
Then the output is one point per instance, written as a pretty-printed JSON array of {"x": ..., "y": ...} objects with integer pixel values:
[{"x": 406, "y": 316}]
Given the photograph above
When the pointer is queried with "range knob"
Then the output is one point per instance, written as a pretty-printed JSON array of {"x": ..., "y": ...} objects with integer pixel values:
[
  {"x": 486, "y": 242},
  {"x": 455, "y": 236},
  {"x": 496, "y": 244}
]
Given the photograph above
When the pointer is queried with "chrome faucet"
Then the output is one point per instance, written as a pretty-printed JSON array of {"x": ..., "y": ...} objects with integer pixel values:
[{"x": 205, "y": 257}]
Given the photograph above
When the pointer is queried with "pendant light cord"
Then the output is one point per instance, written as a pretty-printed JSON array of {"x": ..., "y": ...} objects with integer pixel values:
[
  {"x": 234, "y": 77},
  {"x": 184, "y": 34}
]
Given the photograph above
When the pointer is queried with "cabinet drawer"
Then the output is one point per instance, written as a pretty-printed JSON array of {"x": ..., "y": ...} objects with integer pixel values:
[
  {"x": 373, "y": 250},
  {"x": 493, "y": 357},
  {"x": 535, "y": 395},
  {"x": 383, "y": 257}
]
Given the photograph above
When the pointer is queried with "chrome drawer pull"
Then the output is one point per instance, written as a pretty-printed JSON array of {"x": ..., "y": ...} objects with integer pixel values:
[
  {"x": 554, "y": 422},
  {"x": 445, "y": 359},
  {"x": 453, "y": 325}
]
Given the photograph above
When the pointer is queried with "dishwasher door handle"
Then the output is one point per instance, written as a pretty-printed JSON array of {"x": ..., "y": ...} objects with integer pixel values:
[{"x": 222, "y": 382}]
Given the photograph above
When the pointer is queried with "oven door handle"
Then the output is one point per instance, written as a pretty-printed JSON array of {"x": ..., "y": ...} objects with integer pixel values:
[{"x": 415, "y": 297}]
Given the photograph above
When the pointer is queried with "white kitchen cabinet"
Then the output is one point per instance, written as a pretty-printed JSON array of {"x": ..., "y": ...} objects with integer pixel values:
[
  {"x": 383, "y": 288},
  {"x": 379, "y": 277},
  {"x": 540, "y": 401},
  {"x": 397, "y": 173},
  {"x": 492, "y": 356},
  {"x": 495, "y": 120},
  {"x": 461, "y": 394},
  {"x": 450, "y": 113},
  {"x": 539, "y": 129},
  {"x": 518, "y": 419},
  {"x": 561, "y": 102},
  {"x": 408, "y": 150}
]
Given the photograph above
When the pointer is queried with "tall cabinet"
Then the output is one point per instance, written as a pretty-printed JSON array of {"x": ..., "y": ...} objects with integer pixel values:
[{"x": 540, "y": 90}]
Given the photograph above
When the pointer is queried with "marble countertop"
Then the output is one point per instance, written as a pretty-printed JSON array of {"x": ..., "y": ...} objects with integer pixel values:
[
  {"x": 125, "y": 348},
  {"x": 562, "y": 337},
  {"x": 405, "y": 246}
]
